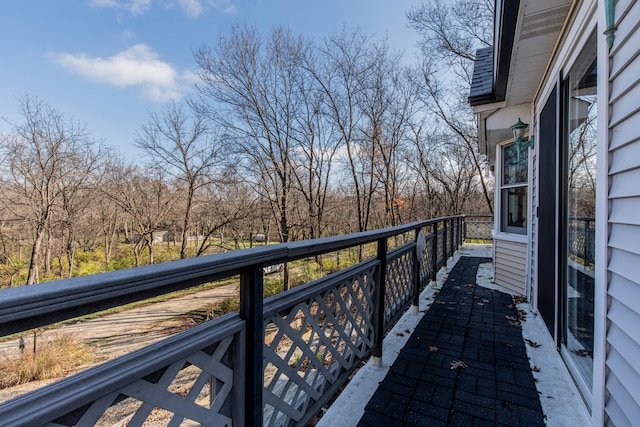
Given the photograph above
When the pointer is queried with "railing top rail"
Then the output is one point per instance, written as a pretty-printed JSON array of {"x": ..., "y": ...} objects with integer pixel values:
[
  {"x": 307, "y": 248},
  {"x": 478, "y": 216},
  {"x": 300, "y": 293},
  {"x": 582, "y": 218},
  {"x": 28, "y": 307}
]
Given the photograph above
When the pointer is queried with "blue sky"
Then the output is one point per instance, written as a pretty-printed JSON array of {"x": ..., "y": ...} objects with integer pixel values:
[{"x": 110, "y": 63}]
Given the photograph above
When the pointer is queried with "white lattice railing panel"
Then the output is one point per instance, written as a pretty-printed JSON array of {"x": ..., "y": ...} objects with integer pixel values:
[
  {"x": 195, "y": 390},
  {"x": 186, "y": 379},
  {"x": 311, "y": 342},
  {"x": 399, "y": 288},
  {"x": 426, "y": 264}
]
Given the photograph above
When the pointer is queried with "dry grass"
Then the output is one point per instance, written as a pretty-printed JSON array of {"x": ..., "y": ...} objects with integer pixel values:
[{"x": 53, "y": 359}]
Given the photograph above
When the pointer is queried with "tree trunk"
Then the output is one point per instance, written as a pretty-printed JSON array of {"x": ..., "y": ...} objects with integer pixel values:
[
  {"x": 33, "y": 276},
  {"x": 185, "y": 226},
  {"x": 150, "y": 245}
]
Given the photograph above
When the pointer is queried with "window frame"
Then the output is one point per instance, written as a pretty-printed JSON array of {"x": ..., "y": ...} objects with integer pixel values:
[{"x": 522, "y": 183}]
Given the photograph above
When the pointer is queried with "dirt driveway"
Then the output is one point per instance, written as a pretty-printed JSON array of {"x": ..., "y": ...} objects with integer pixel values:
[{"x": 113, "y": 335}]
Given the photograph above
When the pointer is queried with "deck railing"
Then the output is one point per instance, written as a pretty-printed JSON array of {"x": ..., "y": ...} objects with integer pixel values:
[
  {"x": 478, "y": 227},
  {"x": 582, "y": 239},
  {"x": 275, "y": 362}
]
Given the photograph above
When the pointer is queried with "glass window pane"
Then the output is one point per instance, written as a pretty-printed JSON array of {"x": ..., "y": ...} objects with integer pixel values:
[
  {"x": 514, "y": 160},
  {"x": 580, "y": 190},
  {"x": 514, "y": 210}
]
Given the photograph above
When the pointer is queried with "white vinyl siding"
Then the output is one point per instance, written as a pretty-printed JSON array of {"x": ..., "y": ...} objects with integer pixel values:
[
  {"x": 510, "y": 264},
  {"x": 623, "y": 335}
]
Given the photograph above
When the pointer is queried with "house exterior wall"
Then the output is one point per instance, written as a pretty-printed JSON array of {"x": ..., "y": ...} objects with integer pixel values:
[
  {"x": 622, "y": 381},
  {"x": 510, "y": 264},
  {"x": 614, "y": 396}
]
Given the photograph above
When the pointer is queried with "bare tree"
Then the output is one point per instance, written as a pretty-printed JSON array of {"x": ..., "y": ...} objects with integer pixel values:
[
  {"x": 451, "y": 34},
  {"x": 182, "y": 145},
  {"x": 256, "y": 87},
  {"x": 347, "y": 60},
  {"x": 49, "y": 161},
  {"x": 148, "y": 201},
  {"x": 225, "y": 203},
  {"x": 401, "y": 98},
  {"x": 317, "y": 144}
]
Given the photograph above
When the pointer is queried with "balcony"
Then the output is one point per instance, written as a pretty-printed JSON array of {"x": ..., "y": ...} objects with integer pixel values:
[{"x": 279, "y": 361}]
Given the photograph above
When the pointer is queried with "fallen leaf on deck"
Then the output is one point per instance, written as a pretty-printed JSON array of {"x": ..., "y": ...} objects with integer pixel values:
[
  {"x": 440, "y": 302},
  {"x": 514, "y": 323},
  {"x": 433, "y": 349},
  {"x": 519, "y": 299},
  {"x": 458, "y": 364},
  {"x": 469, "y": 285},
  {"x": 532, "y": 343},
  {"x": 535, "y": 369},
  {"x": 510, "y": 306},
  {"x": 513, "y": 319}
]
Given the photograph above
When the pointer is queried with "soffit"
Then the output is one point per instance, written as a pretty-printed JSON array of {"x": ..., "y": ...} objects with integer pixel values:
[{"x": 540, "y": 23}]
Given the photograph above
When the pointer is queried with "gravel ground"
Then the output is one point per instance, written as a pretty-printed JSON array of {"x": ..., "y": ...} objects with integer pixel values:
[{"x": 113, "y": 335}]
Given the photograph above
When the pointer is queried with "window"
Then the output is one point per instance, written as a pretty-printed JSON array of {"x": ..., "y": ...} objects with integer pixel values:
[
  {"x": 578, "y": 214},
  {"x": 514, "y": 188}
]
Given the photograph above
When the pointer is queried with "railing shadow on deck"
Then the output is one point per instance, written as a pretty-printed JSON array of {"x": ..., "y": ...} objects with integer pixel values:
[{"x": 275, "y": 362}]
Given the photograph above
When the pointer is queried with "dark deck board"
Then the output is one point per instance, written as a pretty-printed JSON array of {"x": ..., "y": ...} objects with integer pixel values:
[{"x": 466, "y": 323}]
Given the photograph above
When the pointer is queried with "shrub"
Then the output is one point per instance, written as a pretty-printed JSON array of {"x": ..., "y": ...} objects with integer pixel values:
[
  {"x": 272, "y": 286},
  {"x": 52, "y": 359},
  {"x": 329, "y": 265}
]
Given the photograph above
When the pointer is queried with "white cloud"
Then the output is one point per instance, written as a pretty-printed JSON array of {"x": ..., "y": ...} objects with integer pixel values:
[
  {"x": 139, "y": 7},
  {"x": 225, "y": 6},
  {"x": 105, "y": 3},
  {"x": 138, "y": 66},
  {"x": 193, "y": 8},
  {"x": 135, "y": 7}
]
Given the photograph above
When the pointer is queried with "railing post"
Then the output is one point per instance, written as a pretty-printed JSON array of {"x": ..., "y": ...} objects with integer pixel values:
[
  {"x": 434, "y": 257},
  {"x": 464, "y": 231},
  {"x": 417, "y": 256},
  {"x": 453, "y": 246},
  {"x": 445, "y": 250},
  {"x": 378, "y": 309},
  {"x": 251, "y": 294},
  {"x": 586, "y": 240}
]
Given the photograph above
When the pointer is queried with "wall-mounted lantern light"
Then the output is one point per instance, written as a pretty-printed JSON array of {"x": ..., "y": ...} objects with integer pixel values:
[{"x": 518, "y": 134}]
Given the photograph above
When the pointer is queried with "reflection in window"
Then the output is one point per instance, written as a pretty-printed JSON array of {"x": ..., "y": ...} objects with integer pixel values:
[
  {"x": 514, "y": 188},
  {"x": 515, "y": 164},
  {"x": 581, "y": 108}
]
